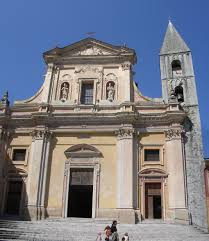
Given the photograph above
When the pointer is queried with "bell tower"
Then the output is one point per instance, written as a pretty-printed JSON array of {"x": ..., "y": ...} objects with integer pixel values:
[{"x": 178, "y": 84}]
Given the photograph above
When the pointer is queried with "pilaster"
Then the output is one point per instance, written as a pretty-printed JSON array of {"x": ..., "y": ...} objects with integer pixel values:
[
  {"x": 177, "y": 208},
  {"x": 47, "y": 83},
  {"x": 38, "y": 163},
  {"x": 125, "y": 156},
  {"x": 126, "y": 80}
]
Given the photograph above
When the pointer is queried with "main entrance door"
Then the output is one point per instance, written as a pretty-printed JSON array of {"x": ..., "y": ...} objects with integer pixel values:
[
  {"x": 80, "y": 193},
  {"x": 153, "y": 202},
  {"x": 13, "y": 197}
]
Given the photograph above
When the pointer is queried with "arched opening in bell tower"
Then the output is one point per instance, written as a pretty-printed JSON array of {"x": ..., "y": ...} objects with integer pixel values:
[
  {"x": 176, "y": 68},
  {"x": 179, "y": 93}
]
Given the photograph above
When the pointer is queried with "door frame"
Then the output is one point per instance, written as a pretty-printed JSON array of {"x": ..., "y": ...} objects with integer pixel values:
[
  {"x": 153, "y": 175},
  {"x": 96, "y": 178},
  {"x": 19, "y": 175},
  {"x": 154, "y": 182}
]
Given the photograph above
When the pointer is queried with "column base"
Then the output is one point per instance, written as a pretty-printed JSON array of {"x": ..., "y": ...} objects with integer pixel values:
[
  {"x": 32, "y": 212},
  {"x": 179, "y": 215},
  {"x": 129, "y": 216}
]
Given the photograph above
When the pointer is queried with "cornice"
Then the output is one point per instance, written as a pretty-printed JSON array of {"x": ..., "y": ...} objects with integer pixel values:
[{"x": 97, "y": 118}]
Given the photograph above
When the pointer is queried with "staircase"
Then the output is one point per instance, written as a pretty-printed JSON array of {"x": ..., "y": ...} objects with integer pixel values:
[{"x": 80, "y": 229}]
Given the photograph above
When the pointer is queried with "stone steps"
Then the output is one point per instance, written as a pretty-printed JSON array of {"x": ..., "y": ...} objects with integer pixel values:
[{"x": 73, "y": 229}]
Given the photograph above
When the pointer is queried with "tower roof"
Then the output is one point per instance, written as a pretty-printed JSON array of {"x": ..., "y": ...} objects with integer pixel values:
[{"x": 173, "y": 42}]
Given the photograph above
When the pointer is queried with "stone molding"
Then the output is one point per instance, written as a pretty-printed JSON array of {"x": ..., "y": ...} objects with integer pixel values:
[
  {"x": 88, "y": 68},
  {"x": 126, "y": 66},
  {"x": 92, "y": 162},
  {"x": 82, "y": 150},
  {"x": 173, "y": 133}
]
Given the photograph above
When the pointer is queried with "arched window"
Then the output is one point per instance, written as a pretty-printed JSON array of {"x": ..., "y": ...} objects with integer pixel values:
[
  {"x": 176, "y": 68},
  {"x": 110, "y": 90},
  {"x": 179, "y": 93}
]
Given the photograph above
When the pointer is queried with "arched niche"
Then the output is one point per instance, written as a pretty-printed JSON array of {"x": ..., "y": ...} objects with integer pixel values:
[
  {"x": 110, "y": 87},
  {"x": 64, "y": 91},
  {"x": 64, "y": 88},
  {"x": 110, "y": 91}
]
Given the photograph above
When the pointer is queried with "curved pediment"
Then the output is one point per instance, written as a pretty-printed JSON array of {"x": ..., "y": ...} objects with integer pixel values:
[
  {"x": 152, "y": 172},
  {"x": 82, "y": 150}
]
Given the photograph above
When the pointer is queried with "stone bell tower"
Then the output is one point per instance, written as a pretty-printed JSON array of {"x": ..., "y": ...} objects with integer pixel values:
[{"x": 178, "y": 84}]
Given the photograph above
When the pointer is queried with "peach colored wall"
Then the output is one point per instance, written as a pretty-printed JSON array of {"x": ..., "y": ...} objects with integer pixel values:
[{"x": 106, "y": 145}]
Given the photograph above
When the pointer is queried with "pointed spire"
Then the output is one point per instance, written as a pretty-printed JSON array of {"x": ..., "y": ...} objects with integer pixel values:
[{"x": 173, "y": 42}]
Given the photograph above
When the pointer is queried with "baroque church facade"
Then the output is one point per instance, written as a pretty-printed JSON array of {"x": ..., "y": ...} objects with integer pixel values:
[{"x": 89, "y": 144}]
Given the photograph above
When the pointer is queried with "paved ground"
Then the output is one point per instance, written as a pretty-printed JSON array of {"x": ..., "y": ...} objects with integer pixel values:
[{"x": 87, "y": 229}]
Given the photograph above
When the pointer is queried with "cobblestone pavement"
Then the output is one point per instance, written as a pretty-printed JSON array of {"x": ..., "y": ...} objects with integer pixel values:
[{"x": 73, "y": 229}]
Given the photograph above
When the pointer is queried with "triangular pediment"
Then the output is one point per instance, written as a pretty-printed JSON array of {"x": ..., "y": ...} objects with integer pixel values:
[{"x": 89, "y": 47}]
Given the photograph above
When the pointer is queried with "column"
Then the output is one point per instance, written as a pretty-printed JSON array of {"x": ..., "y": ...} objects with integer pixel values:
[
  {"x": 125, "y": 175},
  {"x": 37, "y": 174},
  {"x": 176, "y": 175}
]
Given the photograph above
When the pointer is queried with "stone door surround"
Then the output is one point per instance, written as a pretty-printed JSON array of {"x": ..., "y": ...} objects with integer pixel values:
[{"x": 86, "y": 157}]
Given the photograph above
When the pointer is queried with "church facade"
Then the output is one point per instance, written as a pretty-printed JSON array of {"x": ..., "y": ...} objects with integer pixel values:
[{"x": 89, "y": 144}]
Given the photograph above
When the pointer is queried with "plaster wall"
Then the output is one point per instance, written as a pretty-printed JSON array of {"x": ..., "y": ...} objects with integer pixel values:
[{"x": 106, "y": 145}]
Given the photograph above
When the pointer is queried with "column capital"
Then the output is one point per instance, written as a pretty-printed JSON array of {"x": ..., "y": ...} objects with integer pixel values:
[
  {"x": 126, "y": 66},
  {"x": 173, "y": 133},
  {"x": 125, "y": 133},
  {"x": 40, "y": 134}
]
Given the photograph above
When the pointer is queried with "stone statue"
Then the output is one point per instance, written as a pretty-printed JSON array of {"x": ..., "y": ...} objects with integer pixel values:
[
  {"x": 5, "y": 99},
  {"x": 64, "y": 91},
  {"x": 110, "y": 92}
]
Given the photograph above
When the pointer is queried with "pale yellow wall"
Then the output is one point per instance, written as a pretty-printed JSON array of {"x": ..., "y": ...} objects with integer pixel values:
[
  {"x": 19, "y": 141},
  {"x": 106, "y": 145},
  {"x": 152, "y": 140}
]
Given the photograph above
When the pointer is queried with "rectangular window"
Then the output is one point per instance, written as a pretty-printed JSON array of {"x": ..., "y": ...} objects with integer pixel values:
[
  {"x": 19, "y": 154},
  {"x": 152, "y": 155},
  {"x": 87, "y": 93}
]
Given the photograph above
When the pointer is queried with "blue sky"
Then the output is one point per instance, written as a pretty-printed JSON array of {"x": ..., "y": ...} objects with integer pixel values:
[{"x": 29, "y": 28}]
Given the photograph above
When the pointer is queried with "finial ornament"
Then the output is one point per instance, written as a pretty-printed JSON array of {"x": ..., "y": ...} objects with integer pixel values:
[
  {"x": 90, "y": 34},
  {"x": 5, "y": 99}
]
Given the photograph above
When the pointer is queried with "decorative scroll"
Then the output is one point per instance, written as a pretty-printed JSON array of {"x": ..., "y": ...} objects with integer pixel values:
[
  {"x": 125, "y": 133},
  {"x": 173, "y": 133},
  {"x": 41, "y": 134}
]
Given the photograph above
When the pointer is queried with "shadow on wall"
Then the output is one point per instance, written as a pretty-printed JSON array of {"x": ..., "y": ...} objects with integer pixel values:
[
  {"x": 13, "y": 198},
  {"x": 52, "y": 147}
]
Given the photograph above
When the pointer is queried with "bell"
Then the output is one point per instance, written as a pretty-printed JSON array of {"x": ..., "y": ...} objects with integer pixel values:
[{"x": 180, "y": 97}]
